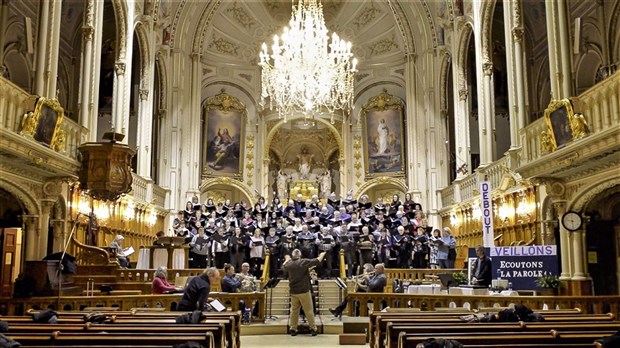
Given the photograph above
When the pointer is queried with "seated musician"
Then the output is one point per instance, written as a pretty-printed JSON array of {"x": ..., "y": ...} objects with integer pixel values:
[
  {"x": 160, "y": 282},
  {"x": 361, "y": 285}
]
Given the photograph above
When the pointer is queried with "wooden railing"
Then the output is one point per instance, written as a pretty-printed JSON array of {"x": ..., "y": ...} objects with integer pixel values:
[
  {"x": 376, "y": 301},
  {"x": 126, "y": 302},
  {"x": 90, "y": 255}
]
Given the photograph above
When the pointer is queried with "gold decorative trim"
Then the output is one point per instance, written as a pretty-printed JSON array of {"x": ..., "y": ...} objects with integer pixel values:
[
  {"x": 43, "y": 124},
  {"x": 382, "y": 180}
]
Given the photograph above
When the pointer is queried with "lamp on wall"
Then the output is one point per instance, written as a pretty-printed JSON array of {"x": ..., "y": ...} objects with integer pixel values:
[
  {"x": 525, "y": 209},
  {"x": 506, "y": 211},
  {"x": 152, "y": 219},
  {"x": 130, "y": 211}
]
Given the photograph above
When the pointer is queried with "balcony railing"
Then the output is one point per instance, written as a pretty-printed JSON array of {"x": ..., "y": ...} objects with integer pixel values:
[
  {"x": 14, "y": 102},
  {"x": 601, "y": 108}
]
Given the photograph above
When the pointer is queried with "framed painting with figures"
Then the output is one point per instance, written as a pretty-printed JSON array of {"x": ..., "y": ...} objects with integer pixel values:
[
  {"x": 43, "y": 124},
  {"x": 563, "y": 124},
  {"x": 225, "y": 118},
  {"x": 384, "y": 149}
]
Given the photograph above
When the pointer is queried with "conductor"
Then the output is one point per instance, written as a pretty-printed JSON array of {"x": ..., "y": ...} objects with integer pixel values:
[{"x": 298, "y": 270}]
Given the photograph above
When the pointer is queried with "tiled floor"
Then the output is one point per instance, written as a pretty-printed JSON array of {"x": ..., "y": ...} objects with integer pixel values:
[{"x": 286, "y": 341}]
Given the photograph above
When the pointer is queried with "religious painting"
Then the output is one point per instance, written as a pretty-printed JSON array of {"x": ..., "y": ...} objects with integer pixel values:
[
  {"x": 43, "y": 124},
  {"x": 563, "y": 124},
  {"x": 384, "y": 150},
  {"x": 225, "y": 118}
]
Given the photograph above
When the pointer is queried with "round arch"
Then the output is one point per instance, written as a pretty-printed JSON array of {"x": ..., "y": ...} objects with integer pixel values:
[
  {"x": 486, "y": 29},
  {"x": 224, "y": 181},
  {"x": 272, "y": 132},
  {"x": 463, "y": 45},
  {"x": 381, "y": 181},
  {"x": 145, "y": 53},
  {"x": 120, "y": 14},
  {"x": 584, "y": 196},
  {"x": 28, "y": 200}
]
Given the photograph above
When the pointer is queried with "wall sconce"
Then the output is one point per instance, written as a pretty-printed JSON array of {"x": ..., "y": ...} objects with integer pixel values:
[
  {"x": 454, "y": 220},
  {"x": 130, "y": 211},
  {"x": 476, "y": 213},
  {"x": 152, "y": 219},
  {"x": 83, "y": 205},
  {"x": 102, "y": 211},
  {"x": 505, "y": 211},
  {"x": 525, "y": 209}
]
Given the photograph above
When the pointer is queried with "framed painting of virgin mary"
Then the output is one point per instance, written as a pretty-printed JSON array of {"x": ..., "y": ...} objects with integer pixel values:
[{"x": 384, "y": 150}]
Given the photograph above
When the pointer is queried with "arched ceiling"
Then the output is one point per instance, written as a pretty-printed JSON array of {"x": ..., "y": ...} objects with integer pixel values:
[{"x": 228, "y": 34}]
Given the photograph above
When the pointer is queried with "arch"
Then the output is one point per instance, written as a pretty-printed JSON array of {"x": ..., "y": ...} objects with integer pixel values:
[
  {"x": 163, "y": 80},
  {"x": 467, "y": 34},
  {"x": 444, "y": 72},
  {"x": 120, "y": 14},
  {"x": 19, "y": 67},
  {"x": 272, "y": 132},
  {"x": 28, "y": 200},
  {"x": 243, "y": 188},
  {"x": 228, "y": 83},
  {"x": 145, "y": 53},
  {"x": 383, "y": 180},
  {"x": 488, "y": 7},
  {"x": 584, "y": 196}
]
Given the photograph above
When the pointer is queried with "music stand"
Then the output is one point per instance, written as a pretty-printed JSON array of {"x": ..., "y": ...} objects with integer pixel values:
[
  {"x": 342, "y": 286},
  {"x": 447, "y": 280},
  {"x": 271, "y": 283}
]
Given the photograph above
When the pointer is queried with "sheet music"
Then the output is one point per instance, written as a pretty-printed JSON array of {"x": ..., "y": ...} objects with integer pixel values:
[
  {"x": 128, "y": 251},
  {"x": 217, "y": 305}
]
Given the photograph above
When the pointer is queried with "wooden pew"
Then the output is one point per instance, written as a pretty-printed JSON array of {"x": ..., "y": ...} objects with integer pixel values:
[
  {"x": 394, "y": 330},
  {"x": 108, "y": 340},
  {"x": 500, "y": 339}
]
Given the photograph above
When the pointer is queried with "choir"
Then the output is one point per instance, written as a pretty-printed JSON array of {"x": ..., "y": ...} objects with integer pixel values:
[{"x": 395, "y": 233}]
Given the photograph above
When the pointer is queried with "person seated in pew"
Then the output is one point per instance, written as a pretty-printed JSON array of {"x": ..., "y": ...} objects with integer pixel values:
[
  {"x": 160, "y": 282},
  {"x": 116, "y": 248},
  {"x": 197, "y": 290}
]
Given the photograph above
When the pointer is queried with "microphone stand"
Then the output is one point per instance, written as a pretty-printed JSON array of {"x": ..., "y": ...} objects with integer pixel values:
[{"x": 62, "y": 257}]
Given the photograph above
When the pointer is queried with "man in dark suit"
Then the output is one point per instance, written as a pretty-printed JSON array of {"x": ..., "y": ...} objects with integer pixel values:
[{"x": 482, "y": 268}]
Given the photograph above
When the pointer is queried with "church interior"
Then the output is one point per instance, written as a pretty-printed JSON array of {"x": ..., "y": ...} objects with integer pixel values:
[{"x": 497, "y": 120}]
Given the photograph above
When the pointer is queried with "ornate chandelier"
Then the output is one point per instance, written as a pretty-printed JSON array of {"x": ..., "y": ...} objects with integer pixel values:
[{"x": 306, "y": 73}]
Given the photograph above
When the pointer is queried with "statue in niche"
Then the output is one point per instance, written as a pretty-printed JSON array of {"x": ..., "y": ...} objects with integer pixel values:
[
  {"x": 282, "y": 181},
  {"x": 305, "y": 163},
  {"x": 325, "y": 181}
]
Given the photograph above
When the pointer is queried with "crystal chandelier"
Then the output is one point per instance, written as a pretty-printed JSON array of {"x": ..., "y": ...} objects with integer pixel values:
[{"x": 307, "y": 72}]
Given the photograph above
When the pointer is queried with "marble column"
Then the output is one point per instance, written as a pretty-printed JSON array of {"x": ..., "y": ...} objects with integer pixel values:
[
  {"x": 54, "y": 47},
  {"x": 145, "y": 125},
  {"x": 519, "y": 70},
  {"x": 566, "y": 250},
  {"x": 44, "y": 224},
  {"x": 485, "y": 118},
  {"x": 412, "y": 126},
  {"x": 118, "y": 108},
  {"x": 565, "y": 49},
  {"x": 578, "y": 264},
  {"x": 86, "y": 101},
  {"x": 31, "y": 235},
  {"x": 41, "y": 50},
  {"x": 554, "y": 72}
]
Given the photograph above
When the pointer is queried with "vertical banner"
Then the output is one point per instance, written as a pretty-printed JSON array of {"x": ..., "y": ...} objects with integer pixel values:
[{"x": 486, "y": 207}]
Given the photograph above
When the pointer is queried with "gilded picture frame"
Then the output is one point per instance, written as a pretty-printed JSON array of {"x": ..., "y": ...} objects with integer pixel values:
[
  {"x": 224, "y": 136},
  {"x": 384, "y": 139},
  {"x": 43, "y": 124},
  {"x": 563, "y": 125}
]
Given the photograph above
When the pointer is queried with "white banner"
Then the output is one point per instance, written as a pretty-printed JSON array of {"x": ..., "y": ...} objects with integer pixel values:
[{"x": 486, "y": 207}]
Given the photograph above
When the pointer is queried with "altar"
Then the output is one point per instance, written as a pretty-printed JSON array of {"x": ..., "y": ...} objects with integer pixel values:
[{"x": 306, "y": 188}]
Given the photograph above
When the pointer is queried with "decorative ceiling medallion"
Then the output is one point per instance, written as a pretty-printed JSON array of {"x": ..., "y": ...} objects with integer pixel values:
[
  {"x": 241, "y": 16},
  {"x": 366, "y": 16},
  {"x": 383, "y": 46},
  {"x": 224, "y": 46}
]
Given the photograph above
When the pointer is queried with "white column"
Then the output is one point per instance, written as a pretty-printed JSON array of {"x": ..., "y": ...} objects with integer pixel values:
[
  {"x": 578, "y": 265},
  {"x": 88, "y": 31},
  {"x": 565, "y": 249},
  {"x": 145, "y": 125},
  {"x": 42, "y": 48},
  {"x": 44, "y": 220},
  {"x": 52, "y": 77},
  {"x": 412, "y": 119},
  {"x": 519, "y": 69},
  {"x": 461, "y": 127},
  {"x": 551, "y": 44},
  {"x": 32, "y": 228},
  {"x": 565, "y": 48},
  {"x": 118, "y": 117},
  {"x": 191, "y": 143},
  {"x": 485, "y": 116}
]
